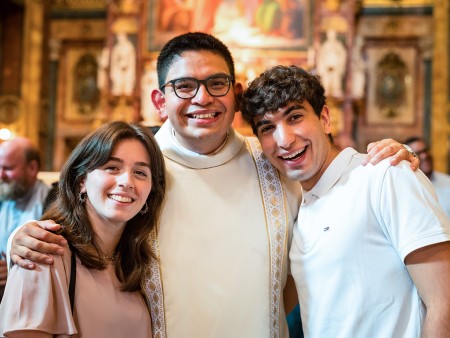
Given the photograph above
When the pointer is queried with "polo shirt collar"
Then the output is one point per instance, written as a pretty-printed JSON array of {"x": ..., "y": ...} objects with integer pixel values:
[{"x": 331, "y": 175}]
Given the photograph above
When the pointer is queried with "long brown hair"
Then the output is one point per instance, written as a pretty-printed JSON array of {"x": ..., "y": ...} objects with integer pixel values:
[{"x": 133, "y": 251}]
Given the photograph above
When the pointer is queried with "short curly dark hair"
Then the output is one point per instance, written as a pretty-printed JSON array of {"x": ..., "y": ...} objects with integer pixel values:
[{"x": 277, "y": 87}]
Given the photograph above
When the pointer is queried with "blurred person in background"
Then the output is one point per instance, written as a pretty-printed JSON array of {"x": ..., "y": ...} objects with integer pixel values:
[
  {"x": 22, "y": 194},
  {"x": 441, "y": 181}
]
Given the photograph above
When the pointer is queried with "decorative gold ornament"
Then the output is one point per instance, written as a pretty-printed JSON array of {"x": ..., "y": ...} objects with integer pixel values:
[{"x": 10, "y": 109}]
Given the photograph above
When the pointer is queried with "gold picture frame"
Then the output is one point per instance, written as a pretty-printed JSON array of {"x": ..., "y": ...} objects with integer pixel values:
[
  {"x": 392, "y": 85},
  {"x": 78, "y": 91}
]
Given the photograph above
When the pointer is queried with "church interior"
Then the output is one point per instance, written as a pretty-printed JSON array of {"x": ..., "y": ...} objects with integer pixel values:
[{"x": 67, "y": 66}]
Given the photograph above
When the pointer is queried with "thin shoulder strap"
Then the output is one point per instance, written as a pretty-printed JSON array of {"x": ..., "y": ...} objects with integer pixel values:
[{"x": 73, "y": 278}]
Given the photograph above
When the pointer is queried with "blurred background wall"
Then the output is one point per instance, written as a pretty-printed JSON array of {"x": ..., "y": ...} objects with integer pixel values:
[{"x": 69, "y": 65}]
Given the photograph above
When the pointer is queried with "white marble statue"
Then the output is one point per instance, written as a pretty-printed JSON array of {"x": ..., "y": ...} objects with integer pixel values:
[
  {"x": 102, "y": 70},
  {"x": 149, "y": 81},
  {"x": 331, "y": 64},
  {"x": 123, "y": 66},
  {"x": 359, "y": 67}
]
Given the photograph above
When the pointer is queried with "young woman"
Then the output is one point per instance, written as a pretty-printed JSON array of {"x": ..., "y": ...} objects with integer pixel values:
[{"x": 110, "y": 194}]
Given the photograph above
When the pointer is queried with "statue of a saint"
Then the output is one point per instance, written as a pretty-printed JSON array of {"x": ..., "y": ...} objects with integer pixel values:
[
  {"x": 102, "y": 70},
  {"x": 359, "y": 67},
  {"x": 149, "y": 81},
  {"x": 331, "y": 64},
  {"x": 123, "y": 66}
]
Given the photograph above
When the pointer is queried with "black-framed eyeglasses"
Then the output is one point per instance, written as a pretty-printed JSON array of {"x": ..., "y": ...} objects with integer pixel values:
[
  {"x": 187, "y": 87},
  {"x": 422, "y": 151}
]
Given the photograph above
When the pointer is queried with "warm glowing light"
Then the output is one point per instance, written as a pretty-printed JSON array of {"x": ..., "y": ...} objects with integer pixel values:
[{"x": 5, "y": 134}]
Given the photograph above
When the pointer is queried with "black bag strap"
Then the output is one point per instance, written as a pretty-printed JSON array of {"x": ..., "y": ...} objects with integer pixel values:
[{"x": 73, "y": 279}]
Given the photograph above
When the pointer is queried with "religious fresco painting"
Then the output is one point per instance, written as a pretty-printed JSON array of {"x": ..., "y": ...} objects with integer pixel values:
[
  {"x": 259, "y": 24},
  {"x": 85, "y": 92},
  {"x": 79, "y": 89}
]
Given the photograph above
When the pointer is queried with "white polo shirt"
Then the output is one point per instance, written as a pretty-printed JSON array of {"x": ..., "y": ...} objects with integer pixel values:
[{"x": 355, "y": 228}]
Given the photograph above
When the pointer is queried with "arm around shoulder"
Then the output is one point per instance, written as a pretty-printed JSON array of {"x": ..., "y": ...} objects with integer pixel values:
[
  {"x": 377, "y": 151},
  {"x": 33, "y": 242}
]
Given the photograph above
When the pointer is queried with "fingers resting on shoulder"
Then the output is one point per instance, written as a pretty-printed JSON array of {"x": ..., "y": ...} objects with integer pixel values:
[
  {"x": 33, "y": 242},
  {"x": 379, "y": 150}
]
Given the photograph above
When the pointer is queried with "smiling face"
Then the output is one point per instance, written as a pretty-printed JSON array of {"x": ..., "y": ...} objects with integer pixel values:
[
  {"x": 296, "y": 141},
  {"x": 202, "y": 122},
  {"x": 117, "y": 190}
]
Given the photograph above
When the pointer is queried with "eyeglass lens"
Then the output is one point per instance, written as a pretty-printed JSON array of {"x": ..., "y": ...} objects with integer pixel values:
[{"x": 422, "y": 151}]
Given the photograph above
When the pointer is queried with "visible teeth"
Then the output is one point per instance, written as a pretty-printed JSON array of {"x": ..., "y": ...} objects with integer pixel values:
[
  {"x": 203, "y": 116},
  {"x": 290, "y": 157},
  {"x": 121, "y": 198}
]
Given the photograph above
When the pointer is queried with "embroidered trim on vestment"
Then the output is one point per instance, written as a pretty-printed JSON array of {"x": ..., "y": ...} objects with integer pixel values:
[
  {"x": 153, "y": 288},
  {"x": 276, "y": 219}
]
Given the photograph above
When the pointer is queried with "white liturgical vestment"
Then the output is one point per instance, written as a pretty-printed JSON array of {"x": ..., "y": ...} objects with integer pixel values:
[{"x": 217, "y": 274}]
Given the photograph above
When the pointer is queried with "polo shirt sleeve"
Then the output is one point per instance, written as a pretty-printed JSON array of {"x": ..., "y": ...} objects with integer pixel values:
[{"x": 410, "y": 213}]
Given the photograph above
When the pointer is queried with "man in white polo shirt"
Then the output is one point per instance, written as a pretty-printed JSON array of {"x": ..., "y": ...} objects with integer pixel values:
[{"x": 370, "y": 254}]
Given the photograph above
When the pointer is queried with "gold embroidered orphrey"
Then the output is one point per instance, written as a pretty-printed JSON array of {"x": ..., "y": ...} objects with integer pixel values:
[
  {"x": 153, "y": 288},
  {"x": 276, "y": 222}
]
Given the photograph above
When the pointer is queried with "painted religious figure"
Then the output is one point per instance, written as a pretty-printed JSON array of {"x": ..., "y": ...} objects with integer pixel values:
[
  {"x": 251, "y": 23},
  {"x": 86, "y": 93},
  {"x": 391, "y": 85}
]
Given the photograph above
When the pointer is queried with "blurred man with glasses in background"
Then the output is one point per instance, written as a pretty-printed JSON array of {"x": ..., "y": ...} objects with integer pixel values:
[{"x": 441, "y": 181}]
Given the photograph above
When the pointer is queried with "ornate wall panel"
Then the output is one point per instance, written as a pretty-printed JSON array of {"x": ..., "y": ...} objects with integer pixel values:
[
  {"x": 32, "y": 69},
  {"x": 397, "y": 49},
  {"x": 440, "y": 124}
]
